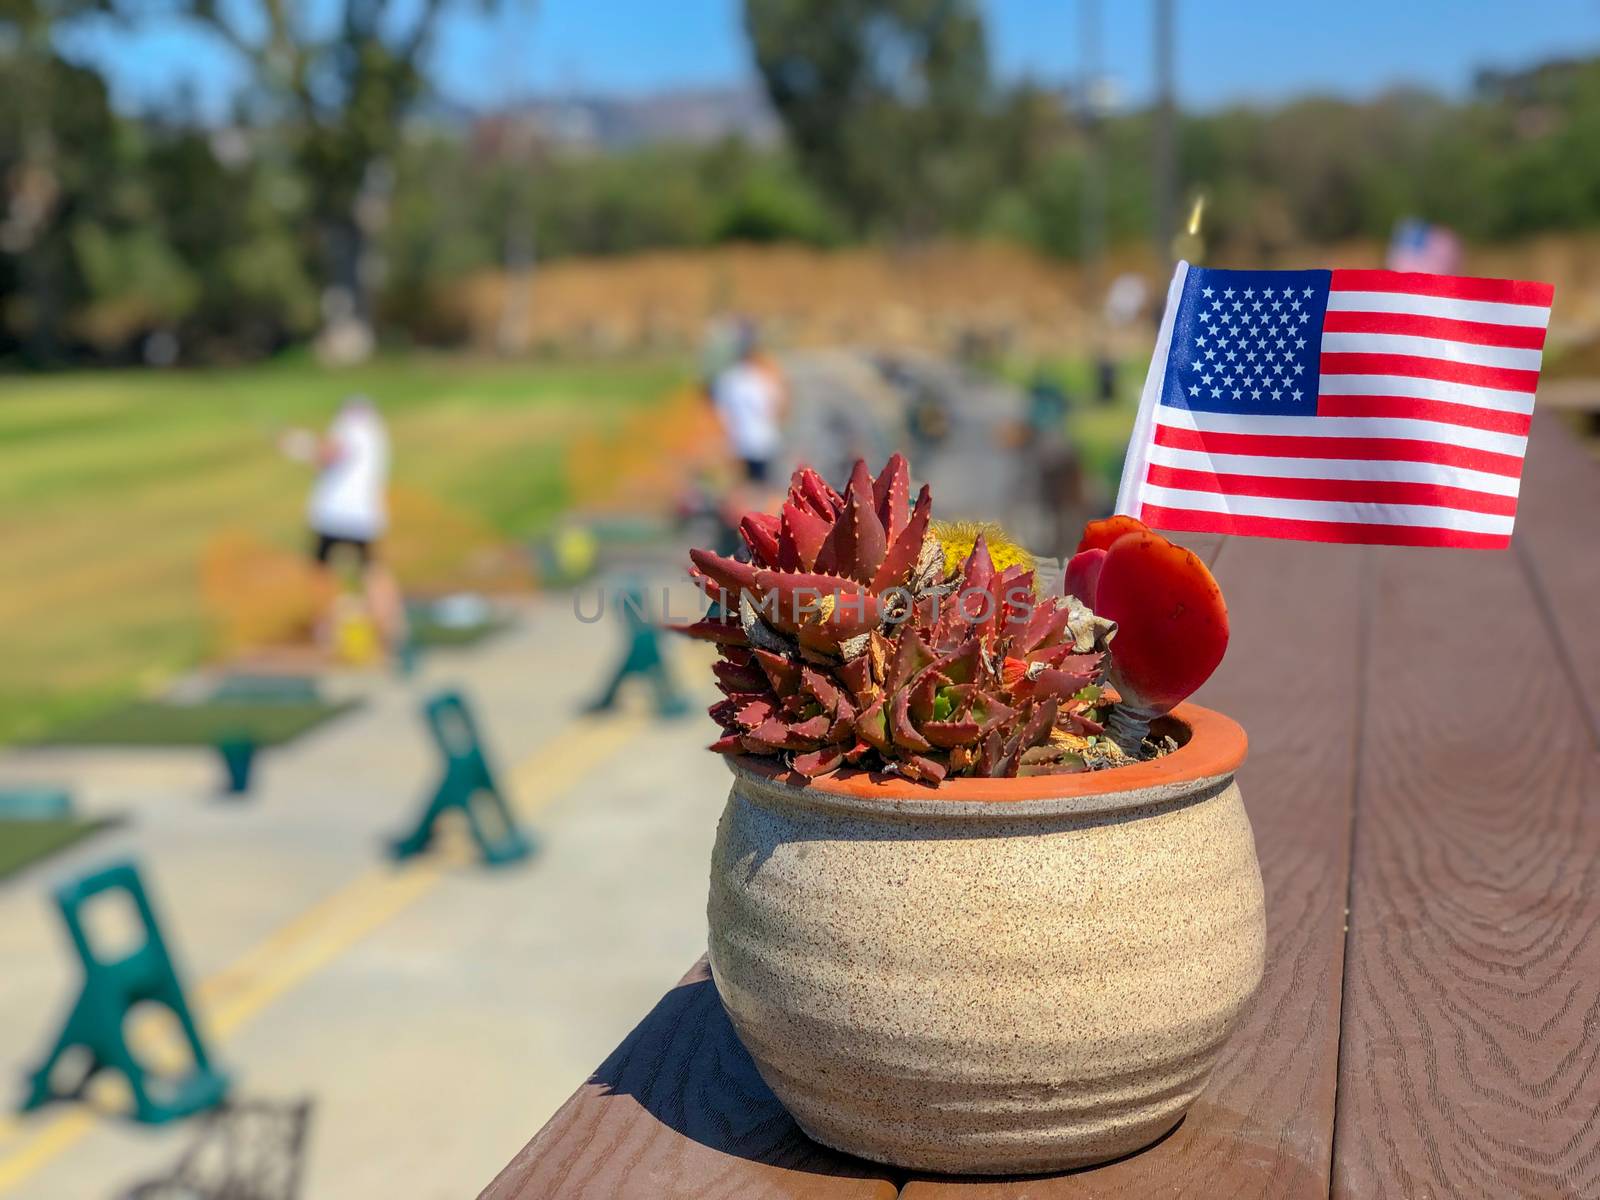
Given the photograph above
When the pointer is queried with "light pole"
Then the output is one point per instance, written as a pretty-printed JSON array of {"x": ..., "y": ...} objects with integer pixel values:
[{"x": 1165, "y": 117}]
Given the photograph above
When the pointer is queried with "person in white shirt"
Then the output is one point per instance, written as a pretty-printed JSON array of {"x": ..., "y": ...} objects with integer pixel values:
[
  {"x": 748, "y": 396},
  {"x": 348, "y": 509}
]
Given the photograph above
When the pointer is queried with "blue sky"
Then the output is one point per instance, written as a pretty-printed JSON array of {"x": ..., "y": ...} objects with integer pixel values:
[{"x": 1227, "y": 49}]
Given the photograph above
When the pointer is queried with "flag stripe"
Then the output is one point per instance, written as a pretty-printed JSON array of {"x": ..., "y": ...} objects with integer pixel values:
[
  {"x": 1482, "y": 333},
  {"x": 1438, "y": 306},
  {"x": 1360, "y": 491},
  {"x": 1470, "y": 416},
  {"x": 1405, "y": 449},
  {"x": 1365, "y": 428},
  {"x": 1433, "y": 348},
  {"x": 1415, "y": 367},
  {"x": 1426, "y": 389},
  {"x": 1342, "y": 511},
  {"x": 1455, "y": 287},
  {"x": 1399, "y": 470},
  {"x": 1191, "y": 521}
]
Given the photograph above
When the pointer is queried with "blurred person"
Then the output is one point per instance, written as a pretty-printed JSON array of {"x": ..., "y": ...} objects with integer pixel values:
[
  {"x": 348, "y": 510},
  {"x": 749, "y": 397}
]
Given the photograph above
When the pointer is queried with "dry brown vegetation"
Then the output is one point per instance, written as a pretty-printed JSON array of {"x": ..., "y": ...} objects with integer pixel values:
[{"x": 932, "y": 297}]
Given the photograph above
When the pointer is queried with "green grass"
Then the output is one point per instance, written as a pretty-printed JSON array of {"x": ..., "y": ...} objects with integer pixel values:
[
  {"x": 25, "y": 842},
  {"x": 112, "y": 485},
  {"x": 152, "y": 723}
]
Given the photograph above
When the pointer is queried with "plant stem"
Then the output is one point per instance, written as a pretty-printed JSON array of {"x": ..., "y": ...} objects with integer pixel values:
[{"x": 1128, "y": 727}]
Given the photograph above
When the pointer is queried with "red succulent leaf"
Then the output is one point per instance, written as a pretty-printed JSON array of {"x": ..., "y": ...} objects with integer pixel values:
[
  {"x": 819, "y": 762},
  {"x": 781, "y": 672},
  {"x": 730, "y": 576},
  {"x": 800, "y": 537},
  {"x": 856, "y": 544},
  {"x": 760, "y": 533},
  {"x": 923, "y": 768},
  {"x": 821, "y": 610},
  {"x": 873, "y": 727},
  {"x": 1099, "y": 535},
  {"x": 857, "y": 676},
  {"x": 891, "y": 495},
  {"x": 731, "y": 744},
  {"x": 990, "y": 713},
  {"x": 1040, "y": 722},
  {"x": 1082, "y": 578},
  {"x": 948, "y": 735},
  {"x": 1172, "y": 624},
  {"x": 811, "y": 491},
  {"x": 722, "y": 628},
  {"x": 734, "y": 677},
  {"x": 812, "y": 728},
  {"x": 905, "y": 548},
  {"x": 754, "y": 713},
  {"x": 1049, "y": 621},
  {"x": 901, "y": 728},
  {"x": 1075, "y": 674},
  {"x": 1077, "y": 722},
  {"x": 911, "y": 655},
  {"x": 961, "y": 666},
  {"x": 825, "y": 693}
]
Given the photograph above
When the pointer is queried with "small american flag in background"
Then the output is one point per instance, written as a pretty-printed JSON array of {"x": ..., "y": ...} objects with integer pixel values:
[{"x": 1338, "y": 406}]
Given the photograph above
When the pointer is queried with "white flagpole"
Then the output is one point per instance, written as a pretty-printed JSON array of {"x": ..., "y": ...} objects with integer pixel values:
[{"x": 1130, "y": 495}]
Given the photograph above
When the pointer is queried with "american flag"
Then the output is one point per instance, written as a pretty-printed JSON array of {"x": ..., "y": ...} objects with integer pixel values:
[{"x": 1338, "y": 406}]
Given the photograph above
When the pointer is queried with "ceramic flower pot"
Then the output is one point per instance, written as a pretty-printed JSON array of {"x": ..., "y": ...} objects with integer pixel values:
[{"x": 994, "y": 975}]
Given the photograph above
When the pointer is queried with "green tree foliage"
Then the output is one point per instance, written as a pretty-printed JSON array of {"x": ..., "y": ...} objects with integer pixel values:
[{"x": 886, "y": 103}]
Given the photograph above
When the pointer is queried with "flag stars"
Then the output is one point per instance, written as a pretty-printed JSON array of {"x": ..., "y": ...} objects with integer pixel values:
[
  {"x": 1307, "y": 293},
  {"x": 1227, "y": 293},
  {"x": 1299, "y": 368},
  {"x": 1299, "y": 343},
  {"x": 1206, "y": 292}
]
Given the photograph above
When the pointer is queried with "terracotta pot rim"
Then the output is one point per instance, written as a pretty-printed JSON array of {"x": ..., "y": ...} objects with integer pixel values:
[{"x": 1215, "y": 748}]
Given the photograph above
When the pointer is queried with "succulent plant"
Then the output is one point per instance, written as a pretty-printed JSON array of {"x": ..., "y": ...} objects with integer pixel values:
[
  {"x": 826, "y": 570},
  {"x": 854, "y": 636},
  {"x": 1172, "y": 623}
]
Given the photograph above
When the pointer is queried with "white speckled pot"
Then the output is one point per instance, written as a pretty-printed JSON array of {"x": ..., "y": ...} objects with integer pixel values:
[{"x": 993, "y": 976}]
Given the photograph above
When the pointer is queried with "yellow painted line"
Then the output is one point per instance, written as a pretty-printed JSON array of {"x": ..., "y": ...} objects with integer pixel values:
[{"x": 228, "y": 1000}]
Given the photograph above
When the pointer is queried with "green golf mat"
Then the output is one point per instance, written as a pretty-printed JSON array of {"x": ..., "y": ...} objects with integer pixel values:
[
  {"x": 24, "y": 841},
  {"x": 154, "y": 723}
]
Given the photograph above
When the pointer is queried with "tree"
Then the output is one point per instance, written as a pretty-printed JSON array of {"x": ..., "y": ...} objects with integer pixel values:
[
  {"x": 341, "y": 79},
  {"x": 886, "y": 103}
]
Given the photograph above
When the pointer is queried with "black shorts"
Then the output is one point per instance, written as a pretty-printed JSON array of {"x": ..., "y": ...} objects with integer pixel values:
[{"x": 327, "y": 543}]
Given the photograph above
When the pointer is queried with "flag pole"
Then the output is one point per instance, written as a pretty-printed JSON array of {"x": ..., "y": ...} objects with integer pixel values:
[{"x": 1130, "y": 491}]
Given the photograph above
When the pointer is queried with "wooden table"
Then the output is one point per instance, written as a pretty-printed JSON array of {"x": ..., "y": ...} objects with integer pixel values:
[{"x": 1424, "y": 782}]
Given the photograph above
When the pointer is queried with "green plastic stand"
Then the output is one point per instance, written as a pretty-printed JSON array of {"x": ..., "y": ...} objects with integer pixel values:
[
  {"x": 110, "y": 989},
  {"x": 642, "y": 657},
  {"x": 467, "y": 786},
  {"x": 238, "y": 760},
  {"x": 42, "y": 803}
]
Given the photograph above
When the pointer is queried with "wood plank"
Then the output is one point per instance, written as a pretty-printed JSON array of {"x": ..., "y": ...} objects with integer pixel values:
[
  {"x": 1473, "y": 968},
  {"x": 1264, "y": 1126},
  {"x": 1558, "y": 543},
  {"x": 678, "y": 1112}
]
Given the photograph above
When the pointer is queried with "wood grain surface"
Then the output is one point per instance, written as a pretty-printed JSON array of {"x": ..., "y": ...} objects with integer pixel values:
[
  {"x": 678, "y": 1113},
  {"x": 1263, "y": 1127},
  {"x": 1473, "y": 990},
  {"x": 1558, "y": 545}
]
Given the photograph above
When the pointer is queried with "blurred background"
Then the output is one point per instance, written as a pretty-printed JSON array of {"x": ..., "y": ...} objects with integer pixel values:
[{"x": 602, "y": 274}]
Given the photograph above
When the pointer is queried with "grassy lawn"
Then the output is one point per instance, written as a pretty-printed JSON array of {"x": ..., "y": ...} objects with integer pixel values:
[
  {"x": 113, "y": 483},
  {"x": 22, "y": 842}
]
